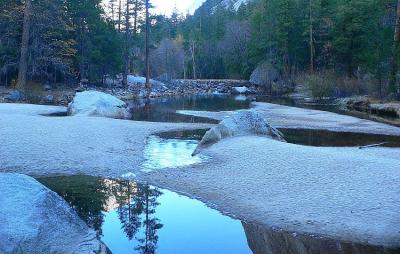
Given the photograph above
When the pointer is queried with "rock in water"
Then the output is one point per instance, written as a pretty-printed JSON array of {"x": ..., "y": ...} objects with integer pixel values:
[
  {"x": 93, "y": 103},
  {"x": 242, "y": 123},
  {"x": 34, "y": 219},
  {"x": 240, "y": 90}
]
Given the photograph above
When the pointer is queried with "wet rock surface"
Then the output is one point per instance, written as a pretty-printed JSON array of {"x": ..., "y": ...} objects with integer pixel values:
[{"x": 34, "y": 219}]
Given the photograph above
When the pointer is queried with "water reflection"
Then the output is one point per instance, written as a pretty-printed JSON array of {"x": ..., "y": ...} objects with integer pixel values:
[
  {"x": 164, "y": 109},
  {"x": 266, "y": 241},
  {"x": 172, "y": 150},
  {"x": 337, "y": 139},
  {"x": 137, "y": 218}
]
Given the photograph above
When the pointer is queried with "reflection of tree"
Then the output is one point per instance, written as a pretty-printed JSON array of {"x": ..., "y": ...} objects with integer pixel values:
[
  {"x": 86, "y": 194},
  {"x": 129, "y": 211},
  {"x": 151, "y": 224},
  {"x": 136, "y": 211},
  {"x": 90, "y": 196}
]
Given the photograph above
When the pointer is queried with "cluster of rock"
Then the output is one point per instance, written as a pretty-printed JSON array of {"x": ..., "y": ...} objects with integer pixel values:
[
  {"x": 242, "y": 123},
  {"x": 187, "y": 86},
  {"x": 34, "y": 219}
]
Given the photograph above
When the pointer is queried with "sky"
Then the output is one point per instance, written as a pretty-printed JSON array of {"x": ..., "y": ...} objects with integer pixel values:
[{"x": 183, "y": 6}]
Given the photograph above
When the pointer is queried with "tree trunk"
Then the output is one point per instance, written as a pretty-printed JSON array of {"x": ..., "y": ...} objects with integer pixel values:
[
  {"x": 135, "y": 17},
  {"x": 126, "y": 56},
  {"x": 192, "y": 49},
  {"x": 396, "y": 41},
  {"x": 148, "y": 85},
  {"x": 311, "y": 40},
  {"x": 23, "y": 61},
  {"x": 119, "y": 15}
]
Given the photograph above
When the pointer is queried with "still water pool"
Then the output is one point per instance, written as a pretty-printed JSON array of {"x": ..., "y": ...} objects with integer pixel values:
[
  {"x": 137, "y": 218},
  {"x": 140, "y": 219}
]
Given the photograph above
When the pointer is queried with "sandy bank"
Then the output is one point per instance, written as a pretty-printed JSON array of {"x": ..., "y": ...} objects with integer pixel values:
[
  {"x": 281, "y": 116},
  {"x": 38, "y": 145},
  {"x": 343, "y": 193}
]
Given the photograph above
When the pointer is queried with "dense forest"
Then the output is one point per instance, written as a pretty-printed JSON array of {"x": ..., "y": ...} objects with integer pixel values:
[{"x": 339, "y": 47}]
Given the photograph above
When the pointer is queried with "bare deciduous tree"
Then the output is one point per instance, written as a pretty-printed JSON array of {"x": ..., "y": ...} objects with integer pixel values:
[{"x": 168, "y": 59}]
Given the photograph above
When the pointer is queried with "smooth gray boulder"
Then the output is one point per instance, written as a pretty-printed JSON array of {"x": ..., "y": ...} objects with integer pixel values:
[
  {"x": 94, "y": 103},
  {"x": 34, "y": 219},
  {"x": 241, "y": 123},
  {"x": 264, "y": 75}
]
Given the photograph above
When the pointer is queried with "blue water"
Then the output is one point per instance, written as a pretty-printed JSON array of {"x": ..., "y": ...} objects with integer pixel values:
[{"x": 188, "y": 227}]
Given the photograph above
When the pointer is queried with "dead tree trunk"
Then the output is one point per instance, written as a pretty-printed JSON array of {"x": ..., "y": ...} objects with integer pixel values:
[
  {"x": 395, "y": 55},
  {"x": 126, "y": 55},
  {"x": 23, "y": 61},
  {"x": 311, "y": 40},
  {"x": 119, "y": 15},
  {"x": 192, "y": 51},
  {"x": 148, "y": 85}
]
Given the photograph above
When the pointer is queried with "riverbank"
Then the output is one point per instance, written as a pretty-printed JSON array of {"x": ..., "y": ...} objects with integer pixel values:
[
  {"x": 62, "y": 95},
  {"x": 281, "y": 116},
  {"x": 344, "y": 193},
  {"x": 40, "y": 145}
]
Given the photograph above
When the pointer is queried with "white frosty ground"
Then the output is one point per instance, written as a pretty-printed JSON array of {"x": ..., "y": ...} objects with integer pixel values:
[
  {"x": 39, "y": 145},
  {"x": 344, "y": 193},
  {"x": 290, "y": 117}
]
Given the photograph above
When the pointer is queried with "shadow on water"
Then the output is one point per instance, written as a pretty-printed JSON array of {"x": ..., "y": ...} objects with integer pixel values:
[
  {"x": 164, "y": 109},
  {"x": 138, "y": 218},
  {"x": 266, "y": 241}
]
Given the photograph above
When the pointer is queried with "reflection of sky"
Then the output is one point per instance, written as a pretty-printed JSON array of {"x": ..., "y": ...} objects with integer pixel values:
[
  {"x": 170, "y": 153},
  {"x": 188, "y": 227}
]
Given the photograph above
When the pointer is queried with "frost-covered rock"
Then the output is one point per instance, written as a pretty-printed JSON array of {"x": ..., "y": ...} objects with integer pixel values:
[
  {"x": 93, "y": 103},
  {"x": 242, "y": 123},
  {"x": 34, "y": 219},
  {"x": 240, "y": 90},
  {"x": 138, "y": 80}
]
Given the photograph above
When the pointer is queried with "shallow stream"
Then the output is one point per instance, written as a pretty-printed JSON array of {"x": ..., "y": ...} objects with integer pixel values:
[{"x": 137, "y": 218}]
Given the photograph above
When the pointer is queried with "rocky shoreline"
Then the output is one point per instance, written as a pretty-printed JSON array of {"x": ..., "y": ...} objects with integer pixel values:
[{"x": 63, "y": 95}]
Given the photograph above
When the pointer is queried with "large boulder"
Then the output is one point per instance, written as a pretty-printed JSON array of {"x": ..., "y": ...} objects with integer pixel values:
[
  {"x": 242, "y": 123},
  {"x": 93, "y": 103},
  {"x": 265, "y": 75},
  {"x": 34, "y": 219}
]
